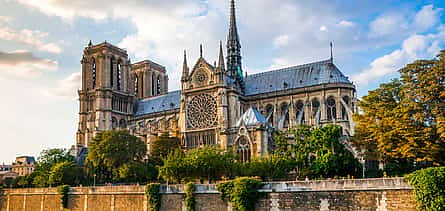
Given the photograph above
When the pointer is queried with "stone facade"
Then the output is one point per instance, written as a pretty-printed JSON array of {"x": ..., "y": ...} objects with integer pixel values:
[
  {"x": 23, "y": 165},
  {"x": 348, "y": 195},
  {"x": 218, "y": 104}
]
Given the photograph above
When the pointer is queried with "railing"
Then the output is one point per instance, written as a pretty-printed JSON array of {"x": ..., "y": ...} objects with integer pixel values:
[{"x": 288, "y": 186}]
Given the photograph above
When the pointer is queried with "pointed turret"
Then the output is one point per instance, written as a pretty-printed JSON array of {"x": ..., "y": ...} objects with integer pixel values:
[
  {"x": 185, "y": 68},
  {"x": 233, "y": 45},
  {"x": 221, "y": 65}
]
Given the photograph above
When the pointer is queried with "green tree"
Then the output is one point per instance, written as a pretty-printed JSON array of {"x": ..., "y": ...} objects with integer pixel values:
[
  {"x": 109, "y": 151},
  {"x": 65, "y": 173},
  {"x": 135, "y": 172},
  {"x": 46, "y": 160},
  {"x": 404, "y": 120},
  {"x": 164, "y": 145},
  {"x": 318, "y": 152},
  {"x": 274, "y": 167},
  {"x": 206, "y": 163},
  {"x": 174, "y": 167}
]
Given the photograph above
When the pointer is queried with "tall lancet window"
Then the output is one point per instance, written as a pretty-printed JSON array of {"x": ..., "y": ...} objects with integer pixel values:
[
  {"x": 93, "y": 74},
  {"x": 153, "y": 85},
  {"x": 331, "y": 109},
  {"x": 345, "y": 108},
  {"x": 119, "y": 75},
  {"x": 269, "y": 114},
  {"x": 299, "y": 107},
  {"x": 136, "y": 85},
  {"x": 111, "y": 73},
  {"x": 316, "y": 111},
  {"x": 244, "y": 151},
  {"x": 158, "y": 86},
  {"x": 284, "y": 119}
]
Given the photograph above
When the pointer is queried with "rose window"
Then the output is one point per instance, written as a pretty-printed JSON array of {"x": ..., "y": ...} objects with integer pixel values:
[
  {"x": 200, "y": 77},
  {"x": 201, "y": 111}
]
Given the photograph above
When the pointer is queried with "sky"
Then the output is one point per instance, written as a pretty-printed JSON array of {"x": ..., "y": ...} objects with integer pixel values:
[{"x": 41, "y": 45}]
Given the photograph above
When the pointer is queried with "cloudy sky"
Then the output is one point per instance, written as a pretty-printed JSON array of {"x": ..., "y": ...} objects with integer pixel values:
[{"x": 41, "y": 43}]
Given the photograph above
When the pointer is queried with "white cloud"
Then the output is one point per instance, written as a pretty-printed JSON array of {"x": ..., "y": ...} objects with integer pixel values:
[
  {"x": 323, "y": 28},
  {"x": 29, "y": 37},
  {"x": 281, "y": 41},
  {"x": 66, "y": 87},
  {"x": 413, "y": 48},
  {"x": 346, "y": 23},
  {"x": 427, "y": 17},
  {"x": 388, "y": 24},
  {"x": 22, "y": 64}
]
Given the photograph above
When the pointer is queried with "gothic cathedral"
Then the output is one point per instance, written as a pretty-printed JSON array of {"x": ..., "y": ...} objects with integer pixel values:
[{"x": 218, "y": 104}]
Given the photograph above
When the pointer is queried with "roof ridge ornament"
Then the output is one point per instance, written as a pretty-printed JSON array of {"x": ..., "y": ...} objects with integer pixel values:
[{"x": 332, "y": 53}]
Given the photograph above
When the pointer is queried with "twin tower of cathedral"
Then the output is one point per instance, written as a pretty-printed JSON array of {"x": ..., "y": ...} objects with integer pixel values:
[{"x": 217, "y": 104}]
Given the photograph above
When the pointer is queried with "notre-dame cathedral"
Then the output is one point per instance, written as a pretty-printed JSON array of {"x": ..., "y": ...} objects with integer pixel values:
[{"x": 218, "y": 104}]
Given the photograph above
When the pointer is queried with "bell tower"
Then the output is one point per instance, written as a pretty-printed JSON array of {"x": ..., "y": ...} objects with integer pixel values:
[{"x": 106, "y": 99}]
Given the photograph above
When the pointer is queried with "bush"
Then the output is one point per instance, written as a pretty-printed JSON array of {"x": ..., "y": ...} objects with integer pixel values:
[
  {"x": 190, "y": 197},
  {"x": 63, "y": 191},
  {"x": 153, "y": 196},
  {"x": 242, "y": 193},
  {"x": 429, "y": 188}
]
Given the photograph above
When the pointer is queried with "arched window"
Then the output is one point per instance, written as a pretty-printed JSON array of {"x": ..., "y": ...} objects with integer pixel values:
[
  {"x": 119, "y": 75},
  {"x": 111, "y": 73},
  {"x": 93, "y": 73},
  {"x": 158, "y": 86},
  {"x": 243, "y": 149},
  {"x": 331, "y": 109},
  {"x": 344, "y": 108},
  {"x": 269, "y": 114},
  {"x": 153, "y": 85},
  {"x": 113, "y": 123},
  {"x": 122, "y": 123},
  {"x": 136, "y": 85},
  {"x": 284, "y": 119},
  {"x": 299, "y": 114},
  {"x": 316, "y": 110}
]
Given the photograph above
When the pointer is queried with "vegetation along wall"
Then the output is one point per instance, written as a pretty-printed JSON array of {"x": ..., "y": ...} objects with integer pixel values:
[{"x": 367, "y": 194}]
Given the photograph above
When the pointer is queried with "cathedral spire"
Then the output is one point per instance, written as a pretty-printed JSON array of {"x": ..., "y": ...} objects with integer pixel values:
[
  {"x": 234, "y": 47},
  {"x": 200, "y": 50},
  {"x": 221, "y": 58},
  {"x": 185, "y": 69}
]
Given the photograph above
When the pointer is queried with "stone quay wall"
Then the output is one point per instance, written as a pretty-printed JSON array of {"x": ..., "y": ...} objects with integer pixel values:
[{"x": 360, "y": 194}]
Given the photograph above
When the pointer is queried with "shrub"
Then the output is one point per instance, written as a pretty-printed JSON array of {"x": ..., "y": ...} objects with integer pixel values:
[
  {"x": 63, "y": 191},
  {"x": 242, "y": 193},
  {"x": 153, "y": 196},
  {"x": 190, "y": 197},
  {"x": 429, "y": 188}
]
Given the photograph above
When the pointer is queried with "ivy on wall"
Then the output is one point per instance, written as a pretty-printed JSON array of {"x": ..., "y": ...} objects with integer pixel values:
[
  {"x": 429, "y": 188},
  {"x": 63, "y": 191},
  {"x": 152, "y": 191},
  {"x": 242, "y": 193},
  {"x": 190, "y": 200}
]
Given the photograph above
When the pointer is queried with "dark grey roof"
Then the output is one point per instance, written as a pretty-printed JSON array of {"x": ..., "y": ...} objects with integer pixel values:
[
  {"x": 252, "y": 117},
  {"x": 317, "y": 73},
  {"x": 156, "y": 104}
]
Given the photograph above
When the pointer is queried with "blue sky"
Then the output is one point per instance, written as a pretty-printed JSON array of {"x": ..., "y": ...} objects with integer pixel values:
[{"x": 41, "y": 44}]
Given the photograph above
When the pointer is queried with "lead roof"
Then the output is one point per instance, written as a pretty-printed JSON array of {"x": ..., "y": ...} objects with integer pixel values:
[{"x": 312, "y": 74}]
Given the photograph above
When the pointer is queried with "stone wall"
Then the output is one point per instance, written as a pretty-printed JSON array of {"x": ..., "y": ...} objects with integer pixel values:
[{"x": 364, "y": 195}]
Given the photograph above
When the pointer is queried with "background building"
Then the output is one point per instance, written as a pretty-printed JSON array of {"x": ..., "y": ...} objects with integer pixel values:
[{"x": 23, "y": 165}]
